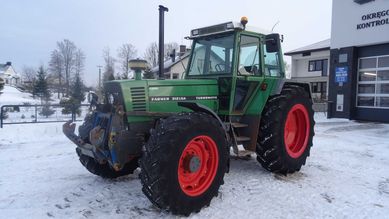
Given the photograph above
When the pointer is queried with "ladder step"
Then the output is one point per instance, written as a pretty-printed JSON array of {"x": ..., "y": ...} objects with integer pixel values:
[
  {"x": 242, "y": 138},
  {"x": 244, "y": 153},
  {"x": 239, "y": 125}
]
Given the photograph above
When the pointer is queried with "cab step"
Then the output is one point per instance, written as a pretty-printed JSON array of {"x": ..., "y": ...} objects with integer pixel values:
[
  {"x": 243, "y": 155},
  {"x": 239, "y": 125},
  {"x": 242, "y": 138}
]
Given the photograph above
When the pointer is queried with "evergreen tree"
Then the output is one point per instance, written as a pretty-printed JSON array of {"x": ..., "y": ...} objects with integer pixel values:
[
  {"x": 76, "y": 97},
  {"x": 77, "y": 92},
  {"x": 1, "y": 84},
  {"x": 40, "y": 87},
  {"x": 47, "y": 110}
]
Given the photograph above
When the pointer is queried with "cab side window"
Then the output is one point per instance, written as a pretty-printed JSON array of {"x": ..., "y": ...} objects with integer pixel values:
[
  {"x": 249, "y": 56},
  {"x": 272, "y": 63}
]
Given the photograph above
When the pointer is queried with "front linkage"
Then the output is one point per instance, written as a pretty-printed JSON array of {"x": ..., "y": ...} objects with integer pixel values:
[{"x": 102, "y": 136}]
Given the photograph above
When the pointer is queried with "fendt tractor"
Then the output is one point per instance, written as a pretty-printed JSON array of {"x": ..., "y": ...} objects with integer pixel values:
[{"x": 233, "y": 97}]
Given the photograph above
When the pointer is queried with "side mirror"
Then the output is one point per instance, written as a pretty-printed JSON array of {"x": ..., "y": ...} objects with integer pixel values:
[
  {"x": 92, "y": 97},
  {"x": 272, "y": 43}
]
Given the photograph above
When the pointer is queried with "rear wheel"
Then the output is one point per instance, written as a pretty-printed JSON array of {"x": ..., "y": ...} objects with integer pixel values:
[
  {"x": 286, "y": 131},
  {"x": 184, "y": 162}
]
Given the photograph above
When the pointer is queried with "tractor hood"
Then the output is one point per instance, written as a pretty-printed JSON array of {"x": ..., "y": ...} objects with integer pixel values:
[{"x": 163, "y": 95}]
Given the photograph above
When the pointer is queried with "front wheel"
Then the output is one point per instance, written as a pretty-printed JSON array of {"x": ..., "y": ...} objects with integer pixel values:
[
  {"x": 286, "y": 131},
  {"x": 104, "y": 170},
  {"x": 184, "y": 162}
]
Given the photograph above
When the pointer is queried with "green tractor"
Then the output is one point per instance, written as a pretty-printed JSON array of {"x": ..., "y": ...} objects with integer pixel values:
[{"x": 180, "y": 132}]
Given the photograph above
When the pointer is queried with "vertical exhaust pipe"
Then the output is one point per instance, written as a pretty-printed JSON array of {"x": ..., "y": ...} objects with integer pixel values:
[{"x": 162, "y": 10}]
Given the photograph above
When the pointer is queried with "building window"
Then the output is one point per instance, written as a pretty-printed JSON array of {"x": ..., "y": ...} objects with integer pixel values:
[
  {"x": 373, "y": 82},
  {"x": 319, "y": 90},
  {"x": 319, "y": 65}
]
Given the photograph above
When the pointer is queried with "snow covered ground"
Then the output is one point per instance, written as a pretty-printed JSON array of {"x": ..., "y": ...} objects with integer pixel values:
[
  {"x": 11, "y": 95},
  {"x": 346, "y": 176}
]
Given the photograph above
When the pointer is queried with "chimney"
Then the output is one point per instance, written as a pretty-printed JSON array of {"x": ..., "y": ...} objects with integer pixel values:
[
  {"x": 182, "y": 50},
  {"x": 8, "y": 63}
]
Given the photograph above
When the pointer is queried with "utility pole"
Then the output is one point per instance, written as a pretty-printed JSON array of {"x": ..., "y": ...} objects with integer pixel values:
[{"x": 99, "y": 66}]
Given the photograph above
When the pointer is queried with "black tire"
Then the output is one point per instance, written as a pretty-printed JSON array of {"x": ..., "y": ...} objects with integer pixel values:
[
  {"x": 271, "y": 148},
  {"x": 160, "y": 161},
  {"x": 104, "y": 170}
]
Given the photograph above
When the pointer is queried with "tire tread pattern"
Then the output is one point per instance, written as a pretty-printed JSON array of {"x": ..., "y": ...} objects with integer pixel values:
[{"x": 270, "y": 146}]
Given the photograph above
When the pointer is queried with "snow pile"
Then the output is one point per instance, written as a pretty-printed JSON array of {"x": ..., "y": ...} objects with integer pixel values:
[{"x": 347, "y": 175}]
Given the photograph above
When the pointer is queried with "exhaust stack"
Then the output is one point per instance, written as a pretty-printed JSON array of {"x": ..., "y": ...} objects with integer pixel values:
[{"x": 162, "y": 10}]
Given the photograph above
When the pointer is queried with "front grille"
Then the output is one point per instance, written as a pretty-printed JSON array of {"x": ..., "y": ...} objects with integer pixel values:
[{"x": 138, "y": 96}]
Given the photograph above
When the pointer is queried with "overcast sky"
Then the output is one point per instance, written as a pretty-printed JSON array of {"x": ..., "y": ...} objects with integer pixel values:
[{"x": 30, "y": 29}]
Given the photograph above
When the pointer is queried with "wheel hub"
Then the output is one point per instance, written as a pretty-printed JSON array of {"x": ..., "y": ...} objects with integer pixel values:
[{"x": 194, "y": 164}]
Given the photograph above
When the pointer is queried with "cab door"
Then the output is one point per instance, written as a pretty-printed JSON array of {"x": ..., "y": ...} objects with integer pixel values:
[{"x": 249, "y": 73}]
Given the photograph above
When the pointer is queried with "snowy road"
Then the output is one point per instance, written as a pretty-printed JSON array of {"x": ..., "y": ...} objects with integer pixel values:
[{"x": 346, "y": 176}]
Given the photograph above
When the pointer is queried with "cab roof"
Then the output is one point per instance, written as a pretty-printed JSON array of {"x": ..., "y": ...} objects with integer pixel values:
[{"x": 224, "y": 27}]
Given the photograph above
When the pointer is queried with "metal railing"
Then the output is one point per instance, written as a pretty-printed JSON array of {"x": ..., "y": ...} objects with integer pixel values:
[{"x": 41, "y": 113}]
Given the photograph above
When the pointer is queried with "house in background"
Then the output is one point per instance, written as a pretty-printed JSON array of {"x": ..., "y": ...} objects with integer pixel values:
[
  {"x": 176, "y": 65},
  {"x": 311, "y": 64},
  {"x": 8, "y": 74}
]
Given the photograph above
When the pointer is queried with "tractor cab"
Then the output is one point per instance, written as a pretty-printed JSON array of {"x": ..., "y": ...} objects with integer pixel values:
[{"x": 243, "y": 60}]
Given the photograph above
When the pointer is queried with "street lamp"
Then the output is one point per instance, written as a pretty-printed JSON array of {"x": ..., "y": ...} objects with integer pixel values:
[{"x": 99, "y": 66}]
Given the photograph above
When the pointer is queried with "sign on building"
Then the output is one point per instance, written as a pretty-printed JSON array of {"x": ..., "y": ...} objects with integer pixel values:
[{"x": 341, "y": 74}]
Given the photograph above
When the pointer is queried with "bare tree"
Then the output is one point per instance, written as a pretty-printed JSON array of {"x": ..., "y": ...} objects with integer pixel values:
[
  {"x": 125, "y": 53},
  {"x": 79, "y": 62},
  {"x": 169, "y": 47},
  {"x": 28, "y": 75},
  {"x": 151, "y": 54},
  {"x": 68, "y": 51},
  {"x": 109, "y": 65},
  {"x": 56, "y": 68}
]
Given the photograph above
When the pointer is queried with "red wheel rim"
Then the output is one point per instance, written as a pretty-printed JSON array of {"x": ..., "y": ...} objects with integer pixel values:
[
  {"x": 296, "y": 131},
  {"x": 198, "y": 165}
]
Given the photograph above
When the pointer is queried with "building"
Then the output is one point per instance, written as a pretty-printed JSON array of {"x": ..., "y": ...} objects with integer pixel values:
[
  {"x": 8, "y": 74},
  {"x": 359, "y": 60},
  {"x": 310, "y": 64},
  {"x": 176, "y": 65}
]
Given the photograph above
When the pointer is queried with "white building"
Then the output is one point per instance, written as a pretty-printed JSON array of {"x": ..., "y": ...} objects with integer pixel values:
[
  {"x": 358, "y": 67},
  {"x": 310, "y": 64},
  {"x": 174, "y": 68},
  {"x": 359, "y": 64},
  {"x": 8, "y": 74}
]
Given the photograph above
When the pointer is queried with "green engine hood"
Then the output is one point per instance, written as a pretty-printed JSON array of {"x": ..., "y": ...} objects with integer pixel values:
[{"x": 163, "y": 95}]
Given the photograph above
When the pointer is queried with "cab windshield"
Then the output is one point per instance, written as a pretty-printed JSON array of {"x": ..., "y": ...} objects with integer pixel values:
[{"x": 212, "y": 55}]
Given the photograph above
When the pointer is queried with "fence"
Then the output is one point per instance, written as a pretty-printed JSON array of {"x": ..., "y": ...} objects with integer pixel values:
[{"x": 25, "y": 114}]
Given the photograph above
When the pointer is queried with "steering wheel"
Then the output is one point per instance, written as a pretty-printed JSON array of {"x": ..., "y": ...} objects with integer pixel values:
[
  {"x": 220, "y": 67},
  {"x": 254, "y": 69}
]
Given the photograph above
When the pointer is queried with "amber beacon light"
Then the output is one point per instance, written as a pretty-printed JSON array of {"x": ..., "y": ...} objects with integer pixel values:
[{"x": 243, "y": 21}]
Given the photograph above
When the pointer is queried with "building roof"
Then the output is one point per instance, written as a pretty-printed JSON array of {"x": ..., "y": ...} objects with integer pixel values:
[
  {"x": 322, "y": 45},
  {"x": 3, "y": 68},
  {"x": 168, "y": 63}
]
